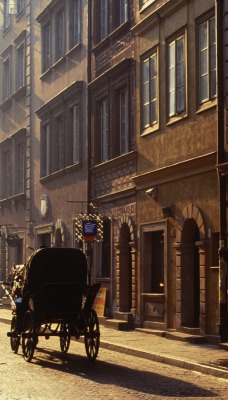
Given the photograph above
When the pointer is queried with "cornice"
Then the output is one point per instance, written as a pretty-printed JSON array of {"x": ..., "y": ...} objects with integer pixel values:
[
  {"x": 159, "y": 11},
  {"x": 187, "y": 168},
  {"x": 57, "y": 100},
  {"x": 115, "y": 162}
]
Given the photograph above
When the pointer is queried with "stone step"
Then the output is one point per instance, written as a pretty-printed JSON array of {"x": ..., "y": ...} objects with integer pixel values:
[
  {"x": 117, "y": 324},
  {"x": 151, "y": 331},
  {"x": 184, "y": 337}
]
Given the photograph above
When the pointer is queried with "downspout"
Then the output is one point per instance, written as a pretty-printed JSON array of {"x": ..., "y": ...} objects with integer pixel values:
[
  {"x": 223, "y": 321},
  {"x": 89, "y": 30}
]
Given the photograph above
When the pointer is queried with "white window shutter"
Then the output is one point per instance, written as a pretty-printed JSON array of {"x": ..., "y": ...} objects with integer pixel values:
[
  {"x": 12, "y": 7},
  {"x": 1, "y": 15}
]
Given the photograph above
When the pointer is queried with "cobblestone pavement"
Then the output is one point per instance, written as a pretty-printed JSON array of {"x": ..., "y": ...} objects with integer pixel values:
[
  {"x": 52, "y": 376},
  {"x": 208, "y": 359}
]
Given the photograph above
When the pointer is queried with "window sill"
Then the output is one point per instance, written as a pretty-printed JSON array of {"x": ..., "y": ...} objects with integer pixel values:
[
  {"x": 146, "y": 5},
  {"x": 60, "y": 173},
  {"x": 46, "y": 73},
  {"x": 21, "y": 92},
  {"x": 12, "y": 200},
  {"x": 206, "y": 106},
  {"x": 58, "y": 62},
  {"x": 176, "y": 118},
  {"x": 73, "y": 50},
  {"x": 150, "y": 130},
  {"x": 100, "y": 45},
  {"x": 120, "y": 29},
  {"x": 20, "y": 14},
  {"x": 6, "y": 104}
]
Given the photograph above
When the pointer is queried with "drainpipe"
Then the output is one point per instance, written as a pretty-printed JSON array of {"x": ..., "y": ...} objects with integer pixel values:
[
  {"x": 89, "y": 38},
  {"x": 223, "y": 320}
]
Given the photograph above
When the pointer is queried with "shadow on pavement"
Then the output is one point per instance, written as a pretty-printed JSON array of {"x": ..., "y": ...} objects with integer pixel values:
[{"x": 108, "y": 373}]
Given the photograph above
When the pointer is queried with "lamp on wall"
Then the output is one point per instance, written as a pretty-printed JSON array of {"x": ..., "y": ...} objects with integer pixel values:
[
  {"x": 152, "y": 192},
  {"x": 167, "y": 211}
]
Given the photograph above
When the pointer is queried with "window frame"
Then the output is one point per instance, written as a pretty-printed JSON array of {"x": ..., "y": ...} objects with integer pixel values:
[
  {"x": 180, "y": 81},
  {"x": 58, "y": 143},
  {"x": 152, "y": 124},
  {"x": 210, "y": 99},
  {"x": 20, "y": 166},
  {"x": 6, "y": 75},
  {"x": 45, "y": 164},
  {"x": 123, "y": 123},
  {"x": 6, "y": 155},
  {"x": 46, "y": 46},
  {"x": 60, "y": 33},
  {"x": 104, "y": 129},
  {"x": 74, "y": 23},
  {"x": 20, "y": 6},
  {"x": 21, "y": 65},
  {"x": 103, "y": 19}
]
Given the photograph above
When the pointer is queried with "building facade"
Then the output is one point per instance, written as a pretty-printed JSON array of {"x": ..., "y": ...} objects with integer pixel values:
[
  {"x": 113, "y": 111},
  {"x": 43, "y": 125},
  {"x": 176, "y": 181}
]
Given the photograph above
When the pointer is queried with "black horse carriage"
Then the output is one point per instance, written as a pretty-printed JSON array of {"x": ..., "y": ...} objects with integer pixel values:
[{"x": 53, "y": 298}]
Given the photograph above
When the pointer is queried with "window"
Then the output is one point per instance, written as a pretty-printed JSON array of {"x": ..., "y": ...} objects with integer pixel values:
[
  {"x": 6, "y": 178},
  {"x": 46, "y": 47},
  {"x": 104, "y": 130},
  {"x": 123, "y": 112},
  {"x": 74, "y": 23},
  {"x": 104, "y": 19},
  {"x": 45, "y": 150},
  {"x": 6, "y": 79},
  {"x": 207, "y": 60},
  {"x": 60, "y": 34},
  {"x": 21, "y": 66},
  {"x": 20, "y": 168},
  {"x": 20, "y": 6},
  {"x": 149, "y": 91},
  {"x": 176, "y": 77},
  {"x": 58, "y": 144},
  {"x": 123, "y": 11},
  {"x": 6, "y": 15},
  {"x": 73, "y": 136}
]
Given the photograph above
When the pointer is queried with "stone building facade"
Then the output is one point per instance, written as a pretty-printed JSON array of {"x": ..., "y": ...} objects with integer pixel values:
[
  {"x": 110, "y": 109},
  {"x": 176, "y": 180}
]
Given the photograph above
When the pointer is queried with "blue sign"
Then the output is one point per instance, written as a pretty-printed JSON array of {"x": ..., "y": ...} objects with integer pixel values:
[{"x": 89, "y": 228}]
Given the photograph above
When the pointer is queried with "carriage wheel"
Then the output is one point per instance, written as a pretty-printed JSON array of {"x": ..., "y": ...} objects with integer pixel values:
[
  {"x": 29, "y": 343},
  {"x": 92, "y": 336},
  {"x": 64, "y": 337},
  {"x": 14, "y": 340}
]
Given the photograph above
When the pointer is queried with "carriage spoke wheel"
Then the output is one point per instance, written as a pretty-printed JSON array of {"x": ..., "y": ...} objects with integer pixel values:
[
  {"x": 64, "y": 337},
  {"x": 92, "y": 336},
  {"x": 14, "y": 340},
  {"x": 29, "y": 342}
]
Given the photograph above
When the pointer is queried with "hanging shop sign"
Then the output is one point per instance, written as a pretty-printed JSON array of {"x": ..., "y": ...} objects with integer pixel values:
[{"x": 89, "y": 227}]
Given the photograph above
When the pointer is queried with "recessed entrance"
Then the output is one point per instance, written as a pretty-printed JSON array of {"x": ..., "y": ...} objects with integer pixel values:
[
  {"x": 190, "y": 271},
  {"x": 125, "y": 263},
  {"x": 190, "y": 275}
]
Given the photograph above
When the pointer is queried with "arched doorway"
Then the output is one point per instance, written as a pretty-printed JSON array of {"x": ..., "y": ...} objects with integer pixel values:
[
  {"x": 126, "y": 266},
  {"x": 190, "y": 271},
  {"x": 190, "y": 275}
]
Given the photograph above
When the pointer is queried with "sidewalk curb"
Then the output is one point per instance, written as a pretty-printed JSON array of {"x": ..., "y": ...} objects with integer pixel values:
[
  {"x": 188, "y": 365},
  {"x": 207, "y": 370}
]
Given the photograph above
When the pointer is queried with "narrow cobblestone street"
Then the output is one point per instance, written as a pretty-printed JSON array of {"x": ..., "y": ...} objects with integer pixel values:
[{"x": 53, "y": 375}]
